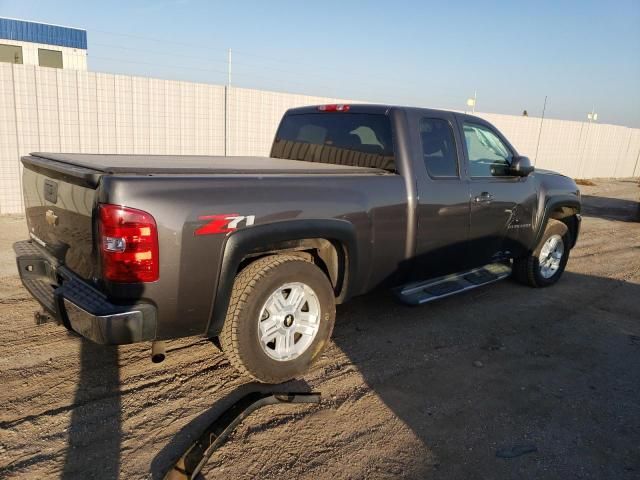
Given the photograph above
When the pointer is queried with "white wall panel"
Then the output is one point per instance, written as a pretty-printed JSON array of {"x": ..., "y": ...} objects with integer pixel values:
[
  {"x": 27, "y": 127},
  {"x": 68, "y": 114},
  {"x": 10, "y": 198},
  {"x": 43, "y": 109},
  {"x": 123, "y": 101},
  {"x": 173, "y": 121},
  {"x": 46, "y": 84},
  {"x": 140, "y": 119},
  {"x": 157, "y": 116},
  {"x": 208, "y": 120},
  {"x": 106, "y": 101}
]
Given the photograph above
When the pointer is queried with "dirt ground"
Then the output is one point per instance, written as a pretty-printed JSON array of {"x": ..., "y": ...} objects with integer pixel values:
[{"x": 428, "y": 392}]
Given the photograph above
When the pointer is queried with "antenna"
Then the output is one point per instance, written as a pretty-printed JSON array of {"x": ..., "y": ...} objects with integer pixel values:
[{"x": 544, "y": 107}]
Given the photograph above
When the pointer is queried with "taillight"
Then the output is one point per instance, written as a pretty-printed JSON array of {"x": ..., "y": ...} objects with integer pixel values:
[
  {"x": 128, "y": 244},
  {"x": 334, "y": 108}
]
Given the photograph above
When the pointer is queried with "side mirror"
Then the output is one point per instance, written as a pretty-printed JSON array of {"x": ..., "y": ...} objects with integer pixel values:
[{"x": 521, "y": 166}]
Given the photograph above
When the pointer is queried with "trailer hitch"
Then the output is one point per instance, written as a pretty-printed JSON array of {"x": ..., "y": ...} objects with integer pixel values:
[{"x": 191, "y": 462}]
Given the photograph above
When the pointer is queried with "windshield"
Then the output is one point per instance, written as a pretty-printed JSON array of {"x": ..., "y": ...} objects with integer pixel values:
[{"x": 354, "y": 139}]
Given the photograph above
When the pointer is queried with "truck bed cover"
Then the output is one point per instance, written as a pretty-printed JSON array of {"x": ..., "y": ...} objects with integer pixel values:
[
  {"x": 86, "y": 169},
  {"x": 181, "y": 164}
]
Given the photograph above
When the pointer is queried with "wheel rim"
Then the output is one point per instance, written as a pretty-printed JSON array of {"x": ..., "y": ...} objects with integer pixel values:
[
  {"x": 551, "y": 256},
  {"x": 289, "y": 321}
]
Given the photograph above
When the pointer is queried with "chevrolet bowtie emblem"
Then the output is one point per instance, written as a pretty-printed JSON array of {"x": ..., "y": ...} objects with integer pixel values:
[{"x": 52, "y": 218}]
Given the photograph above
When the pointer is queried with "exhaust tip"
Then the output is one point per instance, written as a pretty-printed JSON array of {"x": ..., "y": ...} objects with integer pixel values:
[
  {"x": 158, "y": 352},
  {"x": 158, "y": 358}
]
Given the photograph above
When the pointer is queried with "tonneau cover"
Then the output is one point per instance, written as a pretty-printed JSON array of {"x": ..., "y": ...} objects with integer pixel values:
[{"x": 185, "y": 164}]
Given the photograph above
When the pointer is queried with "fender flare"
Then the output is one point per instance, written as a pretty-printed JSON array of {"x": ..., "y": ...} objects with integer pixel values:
[
  {"x": 244, "y": 241},
  {"x": 570, "y": 201}
]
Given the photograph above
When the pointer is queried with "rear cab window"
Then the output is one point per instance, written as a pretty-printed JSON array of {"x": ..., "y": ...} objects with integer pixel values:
[{"x": 339, "y": 138}]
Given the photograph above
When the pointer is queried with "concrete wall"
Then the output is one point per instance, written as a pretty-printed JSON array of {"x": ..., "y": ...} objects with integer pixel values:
[
  {"x": 43, "y": 109},
  {"x": 577, "y": 149},
  {"x": 72, "y": 58}
]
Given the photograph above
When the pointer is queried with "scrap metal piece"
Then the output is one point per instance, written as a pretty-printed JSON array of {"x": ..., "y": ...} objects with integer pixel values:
[
  {"x": 42, "y": 316},
  {"x": 191, "y": 462},
  {"x": 516, "y": 451}
]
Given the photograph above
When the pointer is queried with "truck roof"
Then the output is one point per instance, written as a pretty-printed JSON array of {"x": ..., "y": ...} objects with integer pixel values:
[
  {"x": 381, "y": 109},
  {"x": 374, "y": 108}
]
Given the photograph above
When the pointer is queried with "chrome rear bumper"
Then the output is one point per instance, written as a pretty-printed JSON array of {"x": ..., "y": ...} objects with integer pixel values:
[{"x": 78, "y": 305}]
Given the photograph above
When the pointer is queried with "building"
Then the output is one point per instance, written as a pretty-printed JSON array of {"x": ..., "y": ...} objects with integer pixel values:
[{"x": 32, "y": 43}]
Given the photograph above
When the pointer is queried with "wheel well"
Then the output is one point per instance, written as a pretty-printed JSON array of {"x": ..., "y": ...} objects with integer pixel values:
[
  {"x": 329, "y": 255},
  {"x": 567, "y": 215}
]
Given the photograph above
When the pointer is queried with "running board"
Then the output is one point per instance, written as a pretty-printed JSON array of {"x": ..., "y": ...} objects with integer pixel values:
[{"x": 418, "y": 293}]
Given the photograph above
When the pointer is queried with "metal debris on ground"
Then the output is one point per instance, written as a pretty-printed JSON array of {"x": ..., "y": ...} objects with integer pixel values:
[
  {"x": 191, "y": 462},
  {"x": 515, "y": 451}
]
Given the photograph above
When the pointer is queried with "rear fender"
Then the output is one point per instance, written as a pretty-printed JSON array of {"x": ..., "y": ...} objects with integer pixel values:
[{"x": 245, "y": 242}]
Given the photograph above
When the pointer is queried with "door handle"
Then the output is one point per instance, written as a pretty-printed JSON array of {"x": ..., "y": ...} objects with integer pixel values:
[{"x": 484, "y": 197}]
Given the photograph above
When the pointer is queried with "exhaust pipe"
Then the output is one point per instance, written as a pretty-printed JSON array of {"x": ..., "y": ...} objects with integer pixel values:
[{"x": 158, "y": 352}]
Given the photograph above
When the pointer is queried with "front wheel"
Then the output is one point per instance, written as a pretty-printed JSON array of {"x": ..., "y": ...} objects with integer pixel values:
[
  {"x": 545, "y": 265},
  {"x": 280, "y": 318}
]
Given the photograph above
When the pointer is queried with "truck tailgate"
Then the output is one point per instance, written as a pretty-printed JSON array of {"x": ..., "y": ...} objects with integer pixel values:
[{"x": 59, "y": 218}]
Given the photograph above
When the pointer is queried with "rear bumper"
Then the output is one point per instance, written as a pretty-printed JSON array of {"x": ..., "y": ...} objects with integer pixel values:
[{"x": 78, "y": 305}]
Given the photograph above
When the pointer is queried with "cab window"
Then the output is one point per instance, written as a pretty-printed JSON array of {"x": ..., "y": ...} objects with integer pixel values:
[
  {"x": 438, "y": 148},
  {"x": 354, "y": 139},
  {"x": 488, "y": 155}
]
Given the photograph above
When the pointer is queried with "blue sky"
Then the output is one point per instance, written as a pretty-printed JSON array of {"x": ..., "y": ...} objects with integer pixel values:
[{"x": 581, "y": 54}]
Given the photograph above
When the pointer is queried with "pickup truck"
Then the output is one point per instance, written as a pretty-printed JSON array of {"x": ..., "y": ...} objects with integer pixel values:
[{"x": 254, "y": 253}]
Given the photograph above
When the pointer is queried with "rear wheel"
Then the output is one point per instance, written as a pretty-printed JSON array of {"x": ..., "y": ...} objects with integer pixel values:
[
  {"x": 545, "y": 265},
  {"x": 280, "y": 318}
]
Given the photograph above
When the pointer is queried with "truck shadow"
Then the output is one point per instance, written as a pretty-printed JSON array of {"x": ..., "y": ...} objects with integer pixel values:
[
  {"x": 95, "y": 431},
  {"x": 505, "y": 365},
  {"x": 550, "y": 372},
  {"x": 537, "y": 348},
  {"x": 611, "y": 208}
]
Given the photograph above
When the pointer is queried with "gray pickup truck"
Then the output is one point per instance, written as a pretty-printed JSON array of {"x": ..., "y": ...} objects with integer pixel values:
[{"x": 254, "y": 253}]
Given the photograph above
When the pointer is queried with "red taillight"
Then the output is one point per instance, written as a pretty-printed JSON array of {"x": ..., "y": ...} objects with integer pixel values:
[
  {"x": 334, "y": 108},
  {"x": 128, "y": 244}
]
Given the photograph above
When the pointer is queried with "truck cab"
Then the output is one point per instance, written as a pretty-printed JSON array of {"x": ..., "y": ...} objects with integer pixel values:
[{"x": 472, "y": 199}]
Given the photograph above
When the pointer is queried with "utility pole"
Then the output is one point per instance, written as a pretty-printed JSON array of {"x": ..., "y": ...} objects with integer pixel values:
[
  {"x": 227, "y": 88},
  {"x": 229, "y": 68},
  {"x": 544, "y": 107}
]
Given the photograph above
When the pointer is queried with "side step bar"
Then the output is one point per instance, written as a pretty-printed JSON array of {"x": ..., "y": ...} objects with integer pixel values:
[{"x": 422, "y": 292}]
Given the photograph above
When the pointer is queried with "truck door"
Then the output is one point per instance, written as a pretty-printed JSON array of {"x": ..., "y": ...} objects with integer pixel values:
[
  {"x": 502, "y": 205},
  {"x": 443, "y": 196}
]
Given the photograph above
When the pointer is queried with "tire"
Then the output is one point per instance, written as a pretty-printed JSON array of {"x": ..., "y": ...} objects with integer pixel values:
[
  {"x": 261, "y": 307},
  {"x": 530, "y": 271}
]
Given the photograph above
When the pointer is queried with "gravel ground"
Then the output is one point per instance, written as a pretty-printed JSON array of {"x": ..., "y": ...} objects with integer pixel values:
[{"x": 439, "y": 391}]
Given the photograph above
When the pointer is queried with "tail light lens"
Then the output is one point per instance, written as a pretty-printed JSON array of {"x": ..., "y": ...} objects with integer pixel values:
[{"x": 129, "y": 245}]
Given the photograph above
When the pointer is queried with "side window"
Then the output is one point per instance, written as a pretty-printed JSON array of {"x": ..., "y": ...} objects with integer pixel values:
[
  {"x": 438, "y": 148},
  {"x": 49, "y": 58},
  {"x": 10, "y": 53},
  {"x": 488, "y": 156}
]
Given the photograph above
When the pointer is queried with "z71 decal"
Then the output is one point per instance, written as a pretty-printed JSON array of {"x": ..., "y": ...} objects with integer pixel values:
[{"x": 224, "y": 223}]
